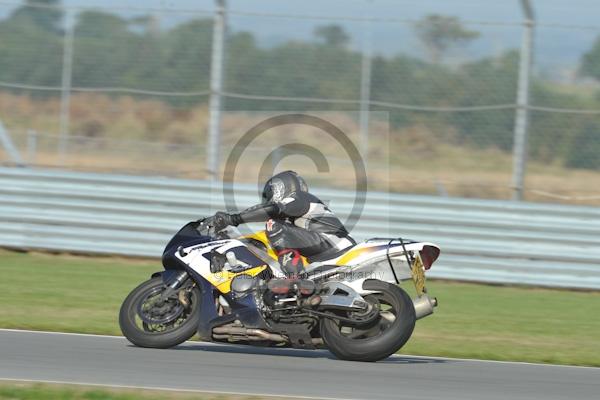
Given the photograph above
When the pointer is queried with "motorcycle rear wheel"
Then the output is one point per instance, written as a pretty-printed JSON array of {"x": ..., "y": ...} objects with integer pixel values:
[
  {"x": 376, "y": 340},
  {"x": 147, "y": 322}
]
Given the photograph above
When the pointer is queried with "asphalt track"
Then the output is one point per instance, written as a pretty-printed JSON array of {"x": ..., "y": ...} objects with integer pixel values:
[{"x": 195, "y": 366}]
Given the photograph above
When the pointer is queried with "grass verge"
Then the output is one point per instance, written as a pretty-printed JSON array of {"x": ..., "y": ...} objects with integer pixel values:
[
  {"x": 83, "y": 294},
  {"x": 42, "y": 391}
]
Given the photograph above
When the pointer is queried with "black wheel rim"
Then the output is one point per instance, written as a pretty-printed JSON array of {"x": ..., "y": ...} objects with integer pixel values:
[
  {"x": 387, "y": 311},
  {"x": 156, "y": 316}
]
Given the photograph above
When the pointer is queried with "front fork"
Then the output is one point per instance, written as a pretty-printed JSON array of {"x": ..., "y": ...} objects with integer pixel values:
[{"x": 173, "y": 279}]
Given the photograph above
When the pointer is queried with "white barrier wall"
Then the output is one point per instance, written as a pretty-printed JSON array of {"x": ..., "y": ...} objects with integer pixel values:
[{"x": 481, "y": 240}]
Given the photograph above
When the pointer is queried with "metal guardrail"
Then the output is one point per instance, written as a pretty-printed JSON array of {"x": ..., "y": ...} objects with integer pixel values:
[{"x": 481, "y": 240}]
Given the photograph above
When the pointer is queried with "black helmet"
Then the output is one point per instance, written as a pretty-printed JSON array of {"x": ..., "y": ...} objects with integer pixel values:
[{"x": 282, "y": 185}]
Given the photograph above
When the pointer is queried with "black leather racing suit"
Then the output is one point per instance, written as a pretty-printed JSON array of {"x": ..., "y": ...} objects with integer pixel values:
[{"x": 303, "y": 222}]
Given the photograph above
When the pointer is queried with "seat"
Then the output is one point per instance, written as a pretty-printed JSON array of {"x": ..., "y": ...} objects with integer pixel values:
[{"x": 330, "y": 254}]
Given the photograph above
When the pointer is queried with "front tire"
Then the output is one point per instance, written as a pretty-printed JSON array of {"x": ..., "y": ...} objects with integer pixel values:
[
  {"x": 379, "y": 339},
  {"x": 146, "y": 321}
]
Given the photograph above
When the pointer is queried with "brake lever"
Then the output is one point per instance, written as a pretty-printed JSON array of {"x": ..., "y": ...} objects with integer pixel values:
[{"x": 204, "y": 225}]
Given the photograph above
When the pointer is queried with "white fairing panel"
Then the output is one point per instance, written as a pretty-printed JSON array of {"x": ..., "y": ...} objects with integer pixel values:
[
  {"x": 196, "y": 260},
  {"x": 366, "y": 260},
  {"x": 369, "y": 260}
]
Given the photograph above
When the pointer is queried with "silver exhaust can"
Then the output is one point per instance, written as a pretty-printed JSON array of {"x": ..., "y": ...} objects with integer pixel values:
[{"x": 424, "y": 306}]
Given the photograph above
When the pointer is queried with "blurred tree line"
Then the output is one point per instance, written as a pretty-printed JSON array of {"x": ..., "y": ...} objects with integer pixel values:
[{"x": 114, "y": 51}]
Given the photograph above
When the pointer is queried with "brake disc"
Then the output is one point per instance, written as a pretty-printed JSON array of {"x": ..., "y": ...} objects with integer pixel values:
[{"x": 159, "y": 313}]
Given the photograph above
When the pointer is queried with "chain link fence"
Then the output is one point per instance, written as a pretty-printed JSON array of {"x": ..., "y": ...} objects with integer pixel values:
[{"x": 127, "y": 90}]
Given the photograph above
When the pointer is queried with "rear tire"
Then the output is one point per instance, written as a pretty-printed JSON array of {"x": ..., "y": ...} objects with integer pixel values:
[
  {"x": 160, "y": 336},
  {"x": 387, "y": 337}
]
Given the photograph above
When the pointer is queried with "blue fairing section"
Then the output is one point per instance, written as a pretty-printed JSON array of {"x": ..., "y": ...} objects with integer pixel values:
[
  {"x": 167, "y": 275},
  {"x": 186, "y": 236},
  {"x": 243, "y": 309},
  {"x": 208, "y": 308},
  {"x": 246, "y": 311}
]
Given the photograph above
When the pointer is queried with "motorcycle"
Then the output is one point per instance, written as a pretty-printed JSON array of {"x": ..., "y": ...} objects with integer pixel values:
[{"x": 230, "y": 288}]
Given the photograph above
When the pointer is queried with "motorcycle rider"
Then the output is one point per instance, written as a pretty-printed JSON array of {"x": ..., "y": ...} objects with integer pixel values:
[{"x": 297, "y": 222}]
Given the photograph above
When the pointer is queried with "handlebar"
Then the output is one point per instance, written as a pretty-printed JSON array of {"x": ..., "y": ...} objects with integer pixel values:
[{"x": 206, "y": 227}]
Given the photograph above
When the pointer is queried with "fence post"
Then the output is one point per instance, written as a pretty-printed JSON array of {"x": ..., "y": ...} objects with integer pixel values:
[
  {"x": 65, "y": 101},
  {"x": 9, "y": 146},
  {"x": 31, "y": 146},
  {"x": 365, "y": 91},
  {"x": 216, "y": 84},
  {"x": 522, "y": 112}
]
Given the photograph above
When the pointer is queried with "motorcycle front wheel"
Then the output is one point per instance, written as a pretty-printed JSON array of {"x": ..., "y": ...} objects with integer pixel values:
[
  {"x": 147, "y": 320},
  {"x": 378, "y": 338}
]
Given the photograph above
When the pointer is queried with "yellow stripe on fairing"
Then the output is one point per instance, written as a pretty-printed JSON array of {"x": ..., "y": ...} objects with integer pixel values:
[
  {"x": 222, "y": 280},
  {"x": 354, "y": 253},
  {"x": 261, "y": 236}
]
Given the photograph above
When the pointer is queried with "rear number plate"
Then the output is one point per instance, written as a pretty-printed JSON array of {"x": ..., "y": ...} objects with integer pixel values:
[{"x": 418, "y": 275}]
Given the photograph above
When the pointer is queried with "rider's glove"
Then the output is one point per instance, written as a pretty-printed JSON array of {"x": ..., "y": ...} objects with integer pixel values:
[{"x": 222, "y": 220}]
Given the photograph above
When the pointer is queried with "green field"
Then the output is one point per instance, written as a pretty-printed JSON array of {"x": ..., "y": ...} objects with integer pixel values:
[
  {"x": 83, "y": 294},
  {"x": 37, "y": 391}
]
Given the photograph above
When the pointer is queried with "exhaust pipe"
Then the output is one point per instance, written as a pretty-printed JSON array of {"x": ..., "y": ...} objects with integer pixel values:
[
  {"x": 247, "y": 333},
  {"x": 424, "y": 306}
]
